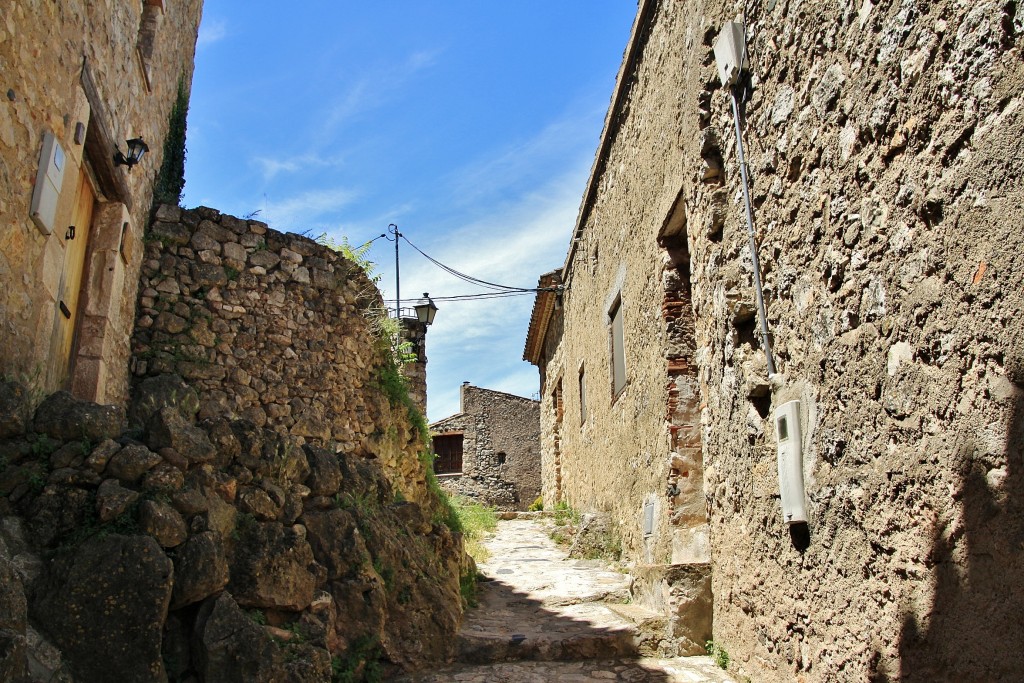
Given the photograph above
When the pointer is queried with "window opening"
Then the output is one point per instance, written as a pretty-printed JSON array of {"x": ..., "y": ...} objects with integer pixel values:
[
  {"x": 618, "y": 352},
  {"x": 448, "y": 454},
  {"x": 583, "y": 395}
]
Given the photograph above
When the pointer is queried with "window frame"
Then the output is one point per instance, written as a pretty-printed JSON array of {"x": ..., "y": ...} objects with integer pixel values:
[{"x": 617, "y": 351}]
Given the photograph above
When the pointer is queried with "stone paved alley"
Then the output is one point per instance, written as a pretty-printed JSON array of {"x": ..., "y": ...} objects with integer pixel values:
[{"x": 545, "y": 617}]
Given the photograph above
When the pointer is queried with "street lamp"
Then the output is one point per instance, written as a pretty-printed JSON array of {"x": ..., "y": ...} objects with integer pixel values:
[
  {"x": 136, "y": 148},
  {"x": 426, "y": 310}
]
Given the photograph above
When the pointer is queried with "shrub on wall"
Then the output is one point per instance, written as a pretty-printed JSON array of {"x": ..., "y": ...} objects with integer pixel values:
[{"x": 170, "y": 183}]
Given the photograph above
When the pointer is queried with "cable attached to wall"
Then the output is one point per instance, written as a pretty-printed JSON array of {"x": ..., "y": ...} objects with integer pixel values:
[{"x": 731, "y": 56}]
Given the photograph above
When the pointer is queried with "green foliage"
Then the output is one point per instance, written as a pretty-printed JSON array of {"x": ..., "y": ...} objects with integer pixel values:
[
  {"x": 231, "y": 273},
  {"x": 445, "y": 513},
  {"x": 361, "y": 504},
  {"x": 565, "y": 514},
  {"x": 476, "y": 521},
  {"x": 385, "y": 572},
  {"x": 42, "y": 446},
  {"x": 718, "y": 653},
  {"x": 357, "y": 255},
  {"x": 360, "y": 664},
  {"x": 468, "y": 589},
  {"x": 537, "y": 505},
  {"x": 170, "y": 182},
  {"x": 395, "y": 388},
  {"x": 257, "y": 616}
]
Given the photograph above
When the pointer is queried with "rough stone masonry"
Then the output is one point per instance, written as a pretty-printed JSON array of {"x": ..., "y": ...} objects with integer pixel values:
[{"x": 884, "y": 143}]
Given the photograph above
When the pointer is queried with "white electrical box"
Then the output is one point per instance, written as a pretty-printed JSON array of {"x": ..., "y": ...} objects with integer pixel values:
[
  {"x": 48, "y": 182},
  {"x": 791, "y": 462},
  {"x": 730, "y": 53}
]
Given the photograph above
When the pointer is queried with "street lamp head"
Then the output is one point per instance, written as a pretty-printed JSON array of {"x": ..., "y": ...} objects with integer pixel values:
[
  {"x": 426, "y": 310},
  {"x": 136, "y": 148}
]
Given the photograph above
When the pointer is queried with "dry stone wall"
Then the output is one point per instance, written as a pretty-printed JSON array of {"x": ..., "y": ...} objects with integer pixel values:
[
  {"x": 273, "y": 328},
  {"x": 214, "y": 550},
  {"x": 884, "y": 144}
]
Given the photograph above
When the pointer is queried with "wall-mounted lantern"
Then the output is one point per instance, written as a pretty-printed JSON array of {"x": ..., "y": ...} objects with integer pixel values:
[
  {"x": 136, "y": 148},
  {"x": 426, "y": 310}
]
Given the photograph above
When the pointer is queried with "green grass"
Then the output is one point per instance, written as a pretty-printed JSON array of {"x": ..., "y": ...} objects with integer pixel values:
[
  {"x": 565, "y": 514},
  {"x": 476, "y": 521}
]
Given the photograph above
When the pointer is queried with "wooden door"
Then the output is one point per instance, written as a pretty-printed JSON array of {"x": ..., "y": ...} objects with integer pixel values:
[{"x": 76, "y": 241}]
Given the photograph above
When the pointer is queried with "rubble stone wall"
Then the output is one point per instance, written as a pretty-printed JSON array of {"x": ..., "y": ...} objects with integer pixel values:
[
  {"x": 621, "y": 451},
  {"x": 208, "y": 550},
  {"x": 501, "y": 448},
  {"x": 48, "y": 51},
  {"x": 273, "y": 328},
  {"x": 884, "y": 145}
]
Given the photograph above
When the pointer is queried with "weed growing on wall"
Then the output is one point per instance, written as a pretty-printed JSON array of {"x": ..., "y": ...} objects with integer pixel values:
[
  {"x": 717, "y": 653},
  {"x": 170, "y": 182}
]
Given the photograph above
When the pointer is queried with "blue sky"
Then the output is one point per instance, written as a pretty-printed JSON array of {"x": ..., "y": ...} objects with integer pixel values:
[{"x": 470, "y": 125}]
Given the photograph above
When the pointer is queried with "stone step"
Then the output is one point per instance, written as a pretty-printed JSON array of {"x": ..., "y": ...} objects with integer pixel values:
[
  {"x": 682, "y": 594},
  {"x": 564, "y": 633},
  {"x": 649, "y": 626}
]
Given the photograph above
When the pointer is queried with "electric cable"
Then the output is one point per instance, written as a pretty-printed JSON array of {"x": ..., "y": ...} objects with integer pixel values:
[{"x": 469, "y": 278}]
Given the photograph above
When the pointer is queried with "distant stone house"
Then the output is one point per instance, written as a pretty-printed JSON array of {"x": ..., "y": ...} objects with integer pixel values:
[
  {"x": 79, "y": 78},
  {"x": 490, "y": 449},
  {"x": 884, "y": 148}
]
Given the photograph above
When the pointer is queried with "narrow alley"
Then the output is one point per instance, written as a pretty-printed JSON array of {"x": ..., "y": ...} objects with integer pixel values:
[{"x": 545, "y": 617}]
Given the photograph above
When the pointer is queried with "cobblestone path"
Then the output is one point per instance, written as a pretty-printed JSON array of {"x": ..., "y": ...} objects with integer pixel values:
[{"x": 544, "y": 617}]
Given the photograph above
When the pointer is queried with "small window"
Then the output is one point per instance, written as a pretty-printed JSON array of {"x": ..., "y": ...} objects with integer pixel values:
[
  {"x": 152, "y": 14},
  {"x": 448, "y": 454},
  {"x": 583, "y": 395},
  {"x": 618, "y": 353},
  {"x": 501, "y": 458}
]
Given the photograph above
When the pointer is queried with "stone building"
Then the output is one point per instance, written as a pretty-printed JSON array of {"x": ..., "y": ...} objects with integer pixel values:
[
  {"x": 490, "y": 450},
  {"x": 78, "y": 79},
  {"x": 884, "y": 151}
]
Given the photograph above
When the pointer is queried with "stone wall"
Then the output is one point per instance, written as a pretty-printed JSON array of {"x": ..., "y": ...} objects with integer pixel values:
[
  {"x": 501, "y": 448},
  {"x": 273, "y": 328},
  {"x": 884, "y": 144},
  {"x": 214, "y": 550},
  {"x": 74, "y": 69},
  {"x": 884, "y": 150},
  {"x": 624, "y": 452}
]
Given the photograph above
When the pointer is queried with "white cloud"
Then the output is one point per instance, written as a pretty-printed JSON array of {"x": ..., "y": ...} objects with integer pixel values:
[
  {"x": 271, "y": 167},
  {"x": 305, "y": 211},
  {"x": 375, "y": 89},
  {"x": 211, "y": 31}
]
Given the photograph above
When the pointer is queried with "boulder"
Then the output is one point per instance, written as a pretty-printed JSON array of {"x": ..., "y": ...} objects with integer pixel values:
[
  {"x": 105, "y": 604},
  {"x": 131, "y": 462},
  {"x": 162, "y": 522},
  {"x": 163, "y": 391},
  {"x": 200, "y": 569},
  {"x": 336, "y": 541},
  {"x": 256, "y": 502},
  {"x": 113, "y": 500},
  {"x": 324, "y": 471},
  {"x": 14, "y": 409},
  {"x": 64, "y": 417},
  {"x": 234, "y": 649},
  {"x": 58, "y": 511},
  {"x": 168, "y": 429},
  {"x": 274, "y": 567}
]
